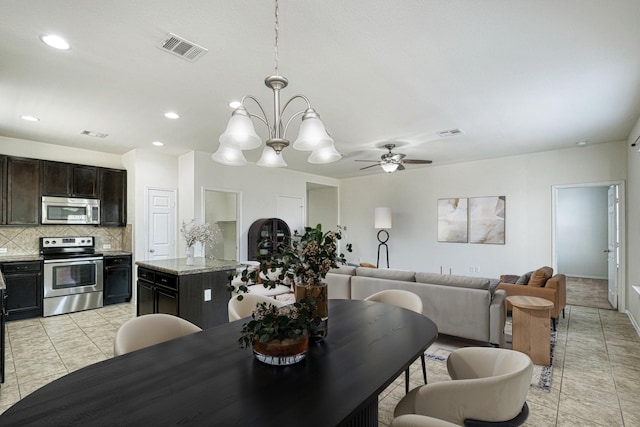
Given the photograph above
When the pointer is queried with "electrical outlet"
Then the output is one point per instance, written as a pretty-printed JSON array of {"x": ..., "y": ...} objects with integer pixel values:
[
  {"x": 106, "y": 246},
  {"x": 3, "y": 250},
  {"x": 207, "y": 294}
]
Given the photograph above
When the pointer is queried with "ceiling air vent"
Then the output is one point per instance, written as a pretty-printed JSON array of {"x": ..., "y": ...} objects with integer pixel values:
[
  {"x": 94, "y": 134},
  {"x": 450, "y": 132},
  {"x": 181, "y": 47}
]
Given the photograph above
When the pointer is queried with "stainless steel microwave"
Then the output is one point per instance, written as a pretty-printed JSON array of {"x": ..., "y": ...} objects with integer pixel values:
[{"x": 65, "y": 210}]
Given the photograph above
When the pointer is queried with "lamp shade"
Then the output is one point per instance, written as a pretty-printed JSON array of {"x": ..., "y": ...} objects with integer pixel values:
[
  {"x": 324, "y": 155},
  {"x": 382, "y": 218},
  {"x": 312, "y": 135},
  {"x": 240, "y": 132},
  {"x": 389, "y": 167},
  {"x": 271, "y": 159},
  {"x": 229, "y": 156}
]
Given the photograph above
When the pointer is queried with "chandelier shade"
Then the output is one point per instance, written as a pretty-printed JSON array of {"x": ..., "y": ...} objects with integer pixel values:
[
  {"x": 271, "y": 159},
  {"x": 240, "y": 132},
  {"x": 324, "y": 155},
  {"x": 229, "y": 156},
  {"x": 312, "y": 134},
  {"x": 389, "y": 167}
]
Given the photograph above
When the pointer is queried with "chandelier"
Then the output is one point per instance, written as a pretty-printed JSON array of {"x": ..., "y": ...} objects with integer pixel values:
[{"x": 240, "y": 135}]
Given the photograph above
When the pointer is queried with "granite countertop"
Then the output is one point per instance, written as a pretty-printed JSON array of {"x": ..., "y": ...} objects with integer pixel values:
[
  {"x": 10, "y": 258},
  {"x": 179, "y": 266}
]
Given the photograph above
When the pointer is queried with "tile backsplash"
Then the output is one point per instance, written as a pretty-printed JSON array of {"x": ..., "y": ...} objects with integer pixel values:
[{"x": 25, "y": 240}]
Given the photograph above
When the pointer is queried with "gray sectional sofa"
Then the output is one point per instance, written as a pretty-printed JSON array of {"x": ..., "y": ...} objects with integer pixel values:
[{"x": 464, "y": 307}]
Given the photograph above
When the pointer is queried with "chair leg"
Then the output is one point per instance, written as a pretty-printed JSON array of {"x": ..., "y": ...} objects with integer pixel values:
[
  {"x": 554, "y": 323},
  {"x": 563, "y": 313},
  {"x": 406, "y": 381},
  {"x": 424, "y": 368}
]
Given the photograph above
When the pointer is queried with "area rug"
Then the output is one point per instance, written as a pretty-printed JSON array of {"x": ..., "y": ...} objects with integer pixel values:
[{"x": 540, "y": 379}]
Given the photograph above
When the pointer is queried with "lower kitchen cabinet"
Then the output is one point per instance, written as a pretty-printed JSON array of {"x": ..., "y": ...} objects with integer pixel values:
[
  {"x": 117, "y": 279},
  {"x": 3, "y": 315},
  {"x": 24, "y": 289},
  {"x": 201, "y": 299}
]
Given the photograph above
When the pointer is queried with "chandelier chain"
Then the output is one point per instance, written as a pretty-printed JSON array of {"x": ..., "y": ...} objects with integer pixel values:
[{"x": 276, "y": 40}]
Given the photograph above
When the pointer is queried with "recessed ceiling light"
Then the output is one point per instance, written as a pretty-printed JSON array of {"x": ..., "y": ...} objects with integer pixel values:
[
  {"x": 235, "y": 104},
  {"x": 55, "y": 41},
  {"x": 157, "y": 143},
  {"x": 30, "y": 118},
  {"x": 581, "y": 143},
  {"x": 171, "y": 115}
]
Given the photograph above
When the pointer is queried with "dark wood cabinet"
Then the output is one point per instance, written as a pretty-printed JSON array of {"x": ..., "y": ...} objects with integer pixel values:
[
  {"x": 22, "y": 194},
  {"x": 3, "y": 189},
  {"x": 3, "y": 315},
  {"x": 264, "y": 237},
  {"x": 113, "y": 197},
  {"x": 201, "y": 298},
  {"x": 69, "y": 180},
  {"x": 117, "y": 279},
  {"x": 23, "y": 282}
]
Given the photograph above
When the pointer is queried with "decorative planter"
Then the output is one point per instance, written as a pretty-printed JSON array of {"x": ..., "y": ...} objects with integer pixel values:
[
  {"x": 319, "y": 294},
  {"x": 282, "y": 352},
  {"x": 190, "y": 252}
]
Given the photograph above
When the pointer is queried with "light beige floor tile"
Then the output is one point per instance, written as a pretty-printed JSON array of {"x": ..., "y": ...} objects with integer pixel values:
[
  {"x": 599, "y": 413},
  {"x": 28, "y": 387},
  {"x": 570, "y": 420},
  {"x": 541, "y": 415}
]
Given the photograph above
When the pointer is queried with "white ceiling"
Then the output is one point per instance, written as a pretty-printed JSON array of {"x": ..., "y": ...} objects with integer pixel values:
[{"x": 516, "y": 76}]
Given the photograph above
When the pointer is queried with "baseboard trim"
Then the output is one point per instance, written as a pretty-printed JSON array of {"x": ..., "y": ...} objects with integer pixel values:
[{"x": 635, "y": 324}]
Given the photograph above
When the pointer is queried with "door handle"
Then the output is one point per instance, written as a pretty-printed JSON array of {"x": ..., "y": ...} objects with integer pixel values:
[
  {"x": 606, "y": 251},
  {"x": 152, "y": 250}
]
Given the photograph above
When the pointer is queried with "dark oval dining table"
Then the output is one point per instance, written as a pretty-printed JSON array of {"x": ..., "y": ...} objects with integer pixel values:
[{"x": 205, "y": 379}]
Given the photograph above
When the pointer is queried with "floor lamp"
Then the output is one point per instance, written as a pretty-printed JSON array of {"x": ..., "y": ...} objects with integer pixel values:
[{"x": 382, "y": 220}]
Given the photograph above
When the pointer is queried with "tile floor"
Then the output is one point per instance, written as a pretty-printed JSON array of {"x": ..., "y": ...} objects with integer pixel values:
[{"x": 596, "y": 369}]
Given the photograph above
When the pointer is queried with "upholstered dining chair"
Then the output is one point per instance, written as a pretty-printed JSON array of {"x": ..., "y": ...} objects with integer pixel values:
[
  {"x": 489, "y": 388},
  {"x": 259, "y": 288},
  {"x": 404, "y": 299},
  {"x": 241, "y": 309},
  {"x": 150, "y": 329}
]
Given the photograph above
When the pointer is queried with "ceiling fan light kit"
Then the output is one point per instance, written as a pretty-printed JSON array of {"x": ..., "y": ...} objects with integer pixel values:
[
  {"x": 391, "y": 162},
  {"x": 240, "y": 134}
]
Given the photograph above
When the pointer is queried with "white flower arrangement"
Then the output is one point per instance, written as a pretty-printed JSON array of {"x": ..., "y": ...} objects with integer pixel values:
[{"x": 194, "y": 233}]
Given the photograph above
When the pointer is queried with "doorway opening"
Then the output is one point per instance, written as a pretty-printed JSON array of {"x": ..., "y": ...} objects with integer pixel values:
[
  {"x": 222, "y": 211},
  {"x": 588, "y": 246}
]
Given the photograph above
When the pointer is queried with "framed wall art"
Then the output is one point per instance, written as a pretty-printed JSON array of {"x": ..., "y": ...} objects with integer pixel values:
[
  {"x": 452, "y": 220},
  {"x": 486, "y": 219}
]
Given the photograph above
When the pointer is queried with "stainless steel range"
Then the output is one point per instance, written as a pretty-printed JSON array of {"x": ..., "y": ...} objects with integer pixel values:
[{"x": 72, "y": 274}]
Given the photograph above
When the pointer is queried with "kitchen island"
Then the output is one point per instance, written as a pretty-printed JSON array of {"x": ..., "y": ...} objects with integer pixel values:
[{"x": 197, "y": 293}]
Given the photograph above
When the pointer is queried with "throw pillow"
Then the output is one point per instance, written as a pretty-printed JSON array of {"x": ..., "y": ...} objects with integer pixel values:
[
  {"x": 540, "y": 276},
  {"x": 509, "y": 278},
  {"x": 524, "y": 279}
]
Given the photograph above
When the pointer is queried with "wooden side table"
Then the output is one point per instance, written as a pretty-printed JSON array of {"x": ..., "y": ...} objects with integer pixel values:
[{"x": 531, "y": 327}]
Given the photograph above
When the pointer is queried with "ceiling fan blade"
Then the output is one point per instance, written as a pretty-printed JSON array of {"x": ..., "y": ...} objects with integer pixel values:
[
  {"x": 375, "y": 161},
  {"x": 398, "y": 156},
  {"x": 367, "y": 167},
  {"x": 417, "y": 162},
  {"x": 400, "y": 167}
]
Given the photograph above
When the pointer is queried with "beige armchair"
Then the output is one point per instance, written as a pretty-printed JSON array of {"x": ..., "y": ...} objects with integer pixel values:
[
  {"x": 489, "y": 385},
  {"x": 150, "y": 329},
  {"x": 404, "y": 299}
]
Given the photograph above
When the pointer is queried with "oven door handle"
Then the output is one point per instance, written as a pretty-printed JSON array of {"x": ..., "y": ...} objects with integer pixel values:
[{"x": 73, "y": 260}]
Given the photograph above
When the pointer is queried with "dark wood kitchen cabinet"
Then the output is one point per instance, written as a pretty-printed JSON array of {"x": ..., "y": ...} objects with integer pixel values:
[
  {"x": 3, "y": 316},
  {"x": 117, "y": 279},
  {"x": 3, "y": 189},
  {"x": 22, "y": 197},
  {"x": 24, "y": 288},
  {"x": 69, "y": 180},
  {"x": 113, "y": 197},
  {"x": 185, "y": 296}
]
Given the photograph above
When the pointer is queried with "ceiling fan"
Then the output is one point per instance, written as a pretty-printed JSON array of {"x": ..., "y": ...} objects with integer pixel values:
[{"x": 390, "y": 162}]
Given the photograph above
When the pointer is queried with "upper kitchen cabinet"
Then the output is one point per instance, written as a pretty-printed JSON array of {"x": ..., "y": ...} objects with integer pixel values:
[
  {"x": 69, "y": 180},
  {"x": 113, "y": 197},
  {"x": 21, "y": 200}
]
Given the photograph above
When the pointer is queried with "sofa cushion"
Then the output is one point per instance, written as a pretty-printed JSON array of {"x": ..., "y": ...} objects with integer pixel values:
[
  {"x": 509, "y": 278},
  {"x": 344, "y": 269},
  {"x": 540, "y": 277},
  {"x": 452, "y": 280},
  {"x": 524, "y": 279},
  {"x": 386, "y": 273}
]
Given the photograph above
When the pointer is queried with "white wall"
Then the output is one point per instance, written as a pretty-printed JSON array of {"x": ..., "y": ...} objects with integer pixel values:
[
  {"x": 633, "y": 226},
  {"x": 526, "y": 182},
  {"x": 322, "y": 207},
  {"x": 582, "y": 231}
]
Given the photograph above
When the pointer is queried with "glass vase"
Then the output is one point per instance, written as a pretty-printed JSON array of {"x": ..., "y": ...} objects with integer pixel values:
[{"x": 190, "y": 252}]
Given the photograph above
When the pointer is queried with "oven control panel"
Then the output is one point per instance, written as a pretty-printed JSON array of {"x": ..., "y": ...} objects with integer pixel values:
[{"x": 66, "y": 242}]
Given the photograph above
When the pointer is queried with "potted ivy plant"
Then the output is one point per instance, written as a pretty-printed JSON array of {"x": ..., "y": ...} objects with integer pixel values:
[{"x": 279, "y": 335}]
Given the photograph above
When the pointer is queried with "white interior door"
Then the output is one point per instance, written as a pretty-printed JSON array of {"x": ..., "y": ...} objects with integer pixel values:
[
  {"x": 613, "y": 246},
  {"x": 291, "y": 211},
  {"x": 161, "y": 220}
]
